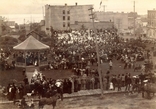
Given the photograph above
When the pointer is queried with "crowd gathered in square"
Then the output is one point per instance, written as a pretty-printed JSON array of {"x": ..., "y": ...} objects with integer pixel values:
[{"x": 76, "y": 51}]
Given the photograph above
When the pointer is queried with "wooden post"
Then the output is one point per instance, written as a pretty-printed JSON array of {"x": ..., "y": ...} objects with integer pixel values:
[{"x": 97, "y": 53}]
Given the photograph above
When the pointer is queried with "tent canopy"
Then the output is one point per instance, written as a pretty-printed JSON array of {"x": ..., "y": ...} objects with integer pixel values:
[{"x": 31, "y": 44}]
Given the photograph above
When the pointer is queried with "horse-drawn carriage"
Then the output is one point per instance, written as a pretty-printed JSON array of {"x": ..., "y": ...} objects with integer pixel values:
[
  {"x": 149, "y": 86},
  {"x": 146, "y": 86}
]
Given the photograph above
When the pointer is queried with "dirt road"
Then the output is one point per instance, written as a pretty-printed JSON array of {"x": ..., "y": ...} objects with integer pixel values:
[
  {"x": 113, "y": 101},
  {"x": 110, "y": 101}
]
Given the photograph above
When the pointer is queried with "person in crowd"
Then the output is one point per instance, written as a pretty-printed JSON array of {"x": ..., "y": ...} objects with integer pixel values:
[
  {"x": 75, "y": 84},
  {"x": 11, "y": 92},
  {"x": 108, "y": 79},
  {"x": 20, "y": 91},
  {"x": 111, "y": 86},
  {"x": 92, "y": 80},
  {"x": 97, "y": 82},
  {"x": 25, "y": 80},
  {"x": 83, "y": 82},
  {"x": 142, "y": 77},
  {"x": 105, "y": 83},
  {"x": 79, "y": 83},
  {"x": 24, "y": 71},
  {"x": 128, "y": 83},
  {"x": 114, "y": 81},
  {"x": 69, "y": 86},
  {"x": 110, "y": 64},
  {"x": 119, "y": 82},
  {"x": 123, "y": 80},
  {"x": 88, "y": 83}
]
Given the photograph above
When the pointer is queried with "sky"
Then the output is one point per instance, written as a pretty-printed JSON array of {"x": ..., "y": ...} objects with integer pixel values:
[{"x": 32, "y": 10}]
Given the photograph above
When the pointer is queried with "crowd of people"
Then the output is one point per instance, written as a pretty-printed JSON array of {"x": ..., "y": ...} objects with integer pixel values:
[{"x": 76, "y": 51}]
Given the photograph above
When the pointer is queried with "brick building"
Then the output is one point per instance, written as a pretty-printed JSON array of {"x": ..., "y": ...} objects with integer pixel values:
[
  {"x": 120, "y": 19},
  {"x": 61, "y": 17},
  {"x": 89, "y": 25}
]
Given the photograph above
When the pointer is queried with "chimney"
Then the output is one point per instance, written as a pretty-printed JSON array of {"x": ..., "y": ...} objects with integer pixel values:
[
  {"x": 76, "y": 3},
  {"x": 65, "y": 4}
]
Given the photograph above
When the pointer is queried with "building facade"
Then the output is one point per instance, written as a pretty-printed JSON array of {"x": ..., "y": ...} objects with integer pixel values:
[
  {"x": 151, "y": 26},
  {"x": 120, "y": 19},
  {"x": 61, "y": 17},
  {"x": 89, "y": 25}
]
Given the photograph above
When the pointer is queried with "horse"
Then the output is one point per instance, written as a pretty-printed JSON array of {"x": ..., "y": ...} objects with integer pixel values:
[
  {"x": 36, "y": 89},
  {"x": 48, "y": 101}
]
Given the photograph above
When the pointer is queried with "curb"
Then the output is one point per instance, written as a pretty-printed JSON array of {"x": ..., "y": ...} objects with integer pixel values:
[{"x": 96, "y": 94}]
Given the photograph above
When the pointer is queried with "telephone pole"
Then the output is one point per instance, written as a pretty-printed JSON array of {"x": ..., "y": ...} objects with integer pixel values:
[{"x": 97, "y": 51}]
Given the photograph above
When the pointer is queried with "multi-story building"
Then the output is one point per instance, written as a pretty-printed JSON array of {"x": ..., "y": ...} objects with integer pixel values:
[
  {"x": 120, "y": 19},
  {"x": 61, "y": 17},
  {"x": 151, "y": 26},
  {"x": 89, "y": 25},
  {"x": 124, "y": 22}
]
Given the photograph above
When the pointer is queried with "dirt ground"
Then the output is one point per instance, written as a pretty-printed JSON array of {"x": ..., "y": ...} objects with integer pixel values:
[
  {"x": 113, "y": 101},
  {"x": 109, "y": 101}
]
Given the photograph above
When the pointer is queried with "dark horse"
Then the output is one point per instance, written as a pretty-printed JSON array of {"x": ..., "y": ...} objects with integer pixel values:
[
  {"x": 48, "y": 101},
  {"x": 36, "y": 89}
]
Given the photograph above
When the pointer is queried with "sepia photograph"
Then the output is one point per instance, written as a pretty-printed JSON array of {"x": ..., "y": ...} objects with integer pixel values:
[{"x": 77, "y": 54}]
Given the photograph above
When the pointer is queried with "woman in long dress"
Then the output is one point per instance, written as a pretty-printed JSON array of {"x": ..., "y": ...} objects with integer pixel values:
[{"x": 111, "y": 86}]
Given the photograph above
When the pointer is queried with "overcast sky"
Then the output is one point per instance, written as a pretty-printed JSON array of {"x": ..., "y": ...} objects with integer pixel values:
[{"x": 35, "y": 6}]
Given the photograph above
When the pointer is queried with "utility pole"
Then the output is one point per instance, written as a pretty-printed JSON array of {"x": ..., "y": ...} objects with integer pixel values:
[
  {"x": 134, "y": 16},
  {"x": 97, "y": 51}
]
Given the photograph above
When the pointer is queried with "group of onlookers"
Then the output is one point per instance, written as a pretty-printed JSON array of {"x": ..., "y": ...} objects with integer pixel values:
[
  {"x": 76, "y": 48},
  {"x": 77, "y": 52},
  {"x": 15, "y": 91},
  {"x": 44, "y": 86}
]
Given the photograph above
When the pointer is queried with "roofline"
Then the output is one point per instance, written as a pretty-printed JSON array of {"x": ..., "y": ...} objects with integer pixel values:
[{"x": 68, "y": 5}]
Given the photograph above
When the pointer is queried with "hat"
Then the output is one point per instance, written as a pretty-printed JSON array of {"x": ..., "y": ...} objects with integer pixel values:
[{"x": 145, "y": 81}]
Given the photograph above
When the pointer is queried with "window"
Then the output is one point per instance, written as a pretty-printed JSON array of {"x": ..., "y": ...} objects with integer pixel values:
[
  {"x": 64, "y": 24},
  {"x": 63, "y": 11},
  {"x": 63, "y": 17},
  {"x": 68, "y": 24},
  {"x": 68, "y": 12},
  {"x": 68, "y": 17}
]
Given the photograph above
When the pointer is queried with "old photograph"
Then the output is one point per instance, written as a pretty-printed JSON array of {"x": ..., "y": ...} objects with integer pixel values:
[{"x": 77, "y": 54}]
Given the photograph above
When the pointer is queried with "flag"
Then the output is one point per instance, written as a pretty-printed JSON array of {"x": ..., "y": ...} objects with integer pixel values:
[{"x": 100, "y": 4}]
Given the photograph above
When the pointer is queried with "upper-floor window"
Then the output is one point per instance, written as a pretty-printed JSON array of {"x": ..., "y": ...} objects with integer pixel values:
[
  {"x": 68, "y": 17},
  {"x": 68, "y": 24},
  {"x": 68, "y": 12},
  {"x": 64, "y": 18},
  {"x": 64, "y": 24},
  {"x": 63, "y": 11}
]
